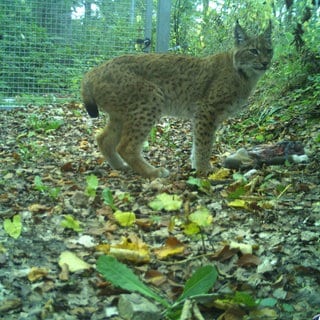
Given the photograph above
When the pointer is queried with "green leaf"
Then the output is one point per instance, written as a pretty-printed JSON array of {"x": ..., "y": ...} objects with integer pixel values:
[
  {"x": 121, "y": 276},
  {"x": 238, "y": 192},
  {"x": 201, "y": 217},
  {"x": 287, "y": 307},
  {"x": 92, "y": 185},
  {"x": 125, "y": 219},
  {"x": 191, "y": 229},
  {"x": 54, "y": 192},
  {"x": 244, "y": 298},
  {"x": 260, "y": 138},
  {"x": 201, "y": 282},
  {"x": 108, "y": 198},
  {"x": 70, "y": 222},
  {"x": 203, "y": 185},
  {"x": 38, "y": 184},
  {"x": 166, "y": 201},
  {"x": 13, "y": 228}
]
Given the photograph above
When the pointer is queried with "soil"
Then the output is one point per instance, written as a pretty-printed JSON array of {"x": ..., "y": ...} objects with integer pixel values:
[{"x": 263, "y": 237}]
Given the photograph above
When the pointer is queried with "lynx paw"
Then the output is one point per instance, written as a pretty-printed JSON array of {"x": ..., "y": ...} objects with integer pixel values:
[
  {"x": 203, "y": 172},
  {"x": 157, "y": 173}
]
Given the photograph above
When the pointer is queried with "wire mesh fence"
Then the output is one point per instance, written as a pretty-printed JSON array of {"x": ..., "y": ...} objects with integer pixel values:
[{"x": 46, "y": 45}]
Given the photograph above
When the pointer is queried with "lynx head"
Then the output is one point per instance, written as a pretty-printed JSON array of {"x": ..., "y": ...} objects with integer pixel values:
[{"x": 252, "y": 55}]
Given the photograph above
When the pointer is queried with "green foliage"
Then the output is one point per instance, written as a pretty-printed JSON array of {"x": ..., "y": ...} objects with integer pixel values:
[
  {"x": 92, "y": 185},
  {"x": 52, "y": 192},
  {"x": 166, "y": 202},
  {"x": 203, "y": 185},
  {"x": 121, "y": 276},
  {"x": 108, "y": 198},
  {"x": 70, "y": 222},
  {"x": 201, "y": 282},
  {"x": 47, "y": 125},
  {"x": 244, "y": 298},
  {"x": 32, "y": 150},
  {"x": 13, "y": 227}
]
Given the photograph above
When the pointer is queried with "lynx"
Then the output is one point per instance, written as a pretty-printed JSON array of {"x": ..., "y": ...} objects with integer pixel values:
[{"x": 136, "y": 90}]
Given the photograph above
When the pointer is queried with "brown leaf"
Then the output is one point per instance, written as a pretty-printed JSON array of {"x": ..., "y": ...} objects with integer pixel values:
[
  {"x": 224, "y": 254},
  {"x": 172, "y": 247},
  {"x": 155, "y": 277},
  {"x": 248, "y": 260}
]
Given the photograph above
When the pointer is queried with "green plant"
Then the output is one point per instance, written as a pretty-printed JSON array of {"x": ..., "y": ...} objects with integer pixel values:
[
  {"x": 121, "y": 276},
  {"x": 37, "y": 124},
  {"x": 108, "y": 198},
  {"x": 92, "y": 185},
  {"x": 31, "y": 150},
  {"x": 70, "y": 222},
  {"x": 13, "y": 227},
  {"x": 52, "y": 192}
]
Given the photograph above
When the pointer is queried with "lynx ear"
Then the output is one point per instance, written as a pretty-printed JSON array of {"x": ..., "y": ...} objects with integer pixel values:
[
  {"x": 267, "y": 33},
  {"x": 239, "y": 35}
]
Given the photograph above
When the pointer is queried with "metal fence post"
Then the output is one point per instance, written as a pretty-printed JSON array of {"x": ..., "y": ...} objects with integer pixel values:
[{"x": 163, "y": 25}]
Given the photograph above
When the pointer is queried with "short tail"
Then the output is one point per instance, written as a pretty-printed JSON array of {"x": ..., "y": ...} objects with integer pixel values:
[
  {"x": 92, "y": 109},
  {"x": 89, "y": 102}
]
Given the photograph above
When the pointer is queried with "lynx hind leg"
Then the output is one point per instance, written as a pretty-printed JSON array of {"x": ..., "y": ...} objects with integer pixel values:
[
  {"x": 108, "y": 140},
  {"x": 133, "y": 135},
  {"x": 203, "y": 136}
]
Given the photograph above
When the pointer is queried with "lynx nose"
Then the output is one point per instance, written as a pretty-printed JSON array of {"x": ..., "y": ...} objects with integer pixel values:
[{"x": 265, "y": 64}]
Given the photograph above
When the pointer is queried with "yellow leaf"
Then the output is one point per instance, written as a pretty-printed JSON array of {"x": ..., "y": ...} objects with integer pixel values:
[
  {"x": 105, "y": 248},
  {"x": 132, "y": 249},
  {"x": 201, "y": 217},
  {"x": 37, "y": 274},
  {"x": 125, "y": 219},
  {"x": 245, "y": 248},
  {"x": 265, "y": 313},
  {"x": 172, "y": 247},
  {"x": 74, "y": 263},
  {"x": 191, "y": 229},
  {"x": 238, "y": 203},
  {"x": 221, "y": 174}
]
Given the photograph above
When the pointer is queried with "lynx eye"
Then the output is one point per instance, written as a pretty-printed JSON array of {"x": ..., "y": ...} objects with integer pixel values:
[{"x": 254, "y": 51}]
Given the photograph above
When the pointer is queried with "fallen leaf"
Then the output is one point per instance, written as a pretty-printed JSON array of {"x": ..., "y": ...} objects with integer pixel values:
[
  {"x": 244, "y": 248},
  {"x": 37, "y": 274},
  {"x": 13, "y": 227},
  {"x": 38, "y": 208},
  {"x": 248, "y": 260},
  {"x": 265, "y": 313},
  {"x": 221, "y": 174},
  {"x": 131, "y": 249},
  {"x": 74, "y": 263},
  {"x": 238, "y": 203},
  {"x": 172, "y": 247},
  {"x": 201, "y": 217},
  {"x": 155, "y": 277},
  {"x": 225, "y": 253},
  {"x": 125, "y": 219},
  {"x": 166, "y": 201}
]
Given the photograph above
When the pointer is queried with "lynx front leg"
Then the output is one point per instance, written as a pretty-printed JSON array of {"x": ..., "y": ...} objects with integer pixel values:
[
  {"x": 203, "y": 134},
  {"x": 130, "y": 146},
  {"x": 108, "y": 141}
]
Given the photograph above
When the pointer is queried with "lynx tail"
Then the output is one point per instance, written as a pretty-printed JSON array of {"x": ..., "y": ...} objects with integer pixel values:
[
  {"x": 92, "y": 109},
  {"x": 88, "y": 101}
]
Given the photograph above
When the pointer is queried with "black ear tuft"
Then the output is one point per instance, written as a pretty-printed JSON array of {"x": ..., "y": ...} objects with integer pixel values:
[
  {"x": 239, "y": 34},
  {"x": 267, "y": 33}
]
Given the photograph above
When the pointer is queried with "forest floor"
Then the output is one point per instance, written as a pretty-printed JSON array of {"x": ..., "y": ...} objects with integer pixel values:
[{"x": 260, "y": 231}]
